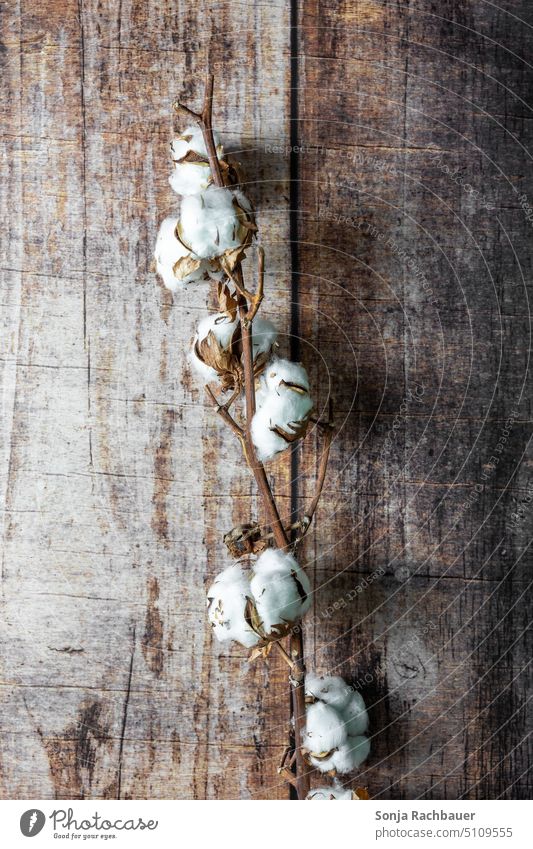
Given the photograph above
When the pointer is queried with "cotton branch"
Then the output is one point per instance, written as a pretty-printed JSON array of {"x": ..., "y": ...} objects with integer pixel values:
[
  {"x": 328, "y": 431},
  {"x": 248, "y": 305},
  {"x": 225, "y": 415}
]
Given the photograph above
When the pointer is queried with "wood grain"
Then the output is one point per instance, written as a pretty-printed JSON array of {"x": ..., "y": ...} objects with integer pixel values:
[
  {"x": 118, "y": 482},
  {"x": 415, "y": 295}
]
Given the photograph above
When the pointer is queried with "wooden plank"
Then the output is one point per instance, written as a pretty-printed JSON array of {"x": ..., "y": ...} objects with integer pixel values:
[
  {"x": 414, "y": 293},
  {"x": 119, "y": 481}
]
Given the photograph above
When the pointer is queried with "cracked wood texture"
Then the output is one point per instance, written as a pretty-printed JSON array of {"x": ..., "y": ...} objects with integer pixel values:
[{"x": 410, "y": 302}]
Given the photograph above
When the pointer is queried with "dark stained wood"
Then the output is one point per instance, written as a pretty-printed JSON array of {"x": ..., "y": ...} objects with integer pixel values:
[
  {"x": 119, "y": 482},
  {"x": 415, "y": 295}
]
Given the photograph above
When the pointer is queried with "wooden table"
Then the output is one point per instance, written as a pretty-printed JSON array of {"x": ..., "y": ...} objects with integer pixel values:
[{"x": 385, "y": 147}]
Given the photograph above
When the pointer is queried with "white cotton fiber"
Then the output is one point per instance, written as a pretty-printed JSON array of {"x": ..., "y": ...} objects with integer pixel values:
[
  {"x": 168, "y": 250},
  {"x": 223, "y": 328},
  {"x": 336, "y": 699},
  {"x": 189, "y": 178},
  {"x": 192, "y": 139},
  {"x": 335, "y": 791},
  {"x": 324, "y": 730},
  {"x": 281, "y": 419},
  {"x": 226, "y": 600},
  {"x": 264, "y": 335},
  {"x": 355, "y": 715},
  {"x": 346, "y": 758},
  {"x": 281, "y": 589},
  {"x": 333, "y": 690},
  {"x": 284, "y": 371},
  {"x": 277, "y": 594},
  {"x": 209, "y": 223}
]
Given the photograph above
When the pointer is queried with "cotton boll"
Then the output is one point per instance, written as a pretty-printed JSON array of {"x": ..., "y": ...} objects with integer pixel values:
[
  {"x": 324, "y": 731},
  {"x": 226, "y": 602},
  {"x": 264, "y": 334},
  {"x": 169, "y": 251},
  {"x": 355, "y": 715},
  {"x": 347, "y": 758},
  {"x": 221, "y": 325},
  {"x": 210, "y": 224},
  {"x": 333, "y": 690},
  {"x": 284, "y": 372},
  {"x": 352, "y": 755},
  {"x": 190, "y": 178},
  {"x": 280, "y": 420},
  {"x": 261, "y": 391},
  {"x": 211, "y": 353},
  {"x": 335, "y": 791},
  {"x": 280, "y": 588},
  {"x": 192, "y": 139}
]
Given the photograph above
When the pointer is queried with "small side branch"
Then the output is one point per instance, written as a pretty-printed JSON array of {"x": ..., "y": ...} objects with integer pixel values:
[
  {"x": 205, "y": 121},
  {"x": 322, "y": 469},
  {"x": 224, "y": 414}
]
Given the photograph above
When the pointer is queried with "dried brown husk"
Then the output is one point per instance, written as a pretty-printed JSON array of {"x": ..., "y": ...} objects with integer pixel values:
[
  {"x": 184, "y": 266},
  {"x": 244, "y": 539},
  {"x": 260, "y": 362},
  {"x": 255, "y": 622},
  {"x": 192, "y": 156},
  {"x": 321, "y": 756},
  {"x": 227, "y": 302},
  {"x": 228, "y": 362},
  {"x": 299, "y": 586},
  {"x": 298, "y": 430},
  {"x": 295, "y": 387},
  {"x": 246, "y": 229},
  {"x": 360, "y": 793},
  {"x": 217, "y": 612},
  {"x": 225, "y": 361}
]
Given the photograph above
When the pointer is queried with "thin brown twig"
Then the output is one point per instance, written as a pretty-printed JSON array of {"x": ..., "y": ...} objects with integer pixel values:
[
  {"x": 296, "y": 642},
  {"x": 222, "y": 411},
  {"x": 322, "y": 469},
  {"x": 241, "y": 289},
  {"x": 285, "y": 655},
  {"x": 204, "y": 119},
  {"x": 258, "y": 470}
]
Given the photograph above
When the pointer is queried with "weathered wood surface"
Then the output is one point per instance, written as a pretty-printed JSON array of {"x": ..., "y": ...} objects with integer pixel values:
[
  {"x": 424, "y": 380},
  {"x": 117, "y": 480}
]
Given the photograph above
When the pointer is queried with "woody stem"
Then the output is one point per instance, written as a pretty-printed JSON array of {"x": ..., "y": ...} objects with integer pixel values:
[
  {"x": 204, "y": 120},
  {"x": 280, "y": 536}
]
